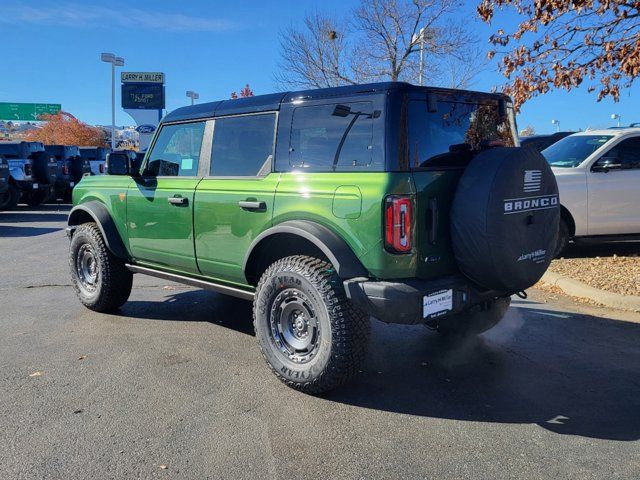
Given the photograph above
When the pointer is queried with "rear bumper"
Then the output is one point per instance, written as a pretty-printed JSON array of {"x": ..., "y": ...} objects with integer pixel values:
[{"x": 401, "y": 301}]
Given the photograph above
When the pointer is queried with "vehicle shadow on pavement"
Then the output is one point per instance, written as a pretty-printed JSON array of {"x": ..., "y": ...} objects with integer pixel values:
[
  {"x": 24, "y": 217},
  {"x": 606, "y": 250},
  {"x": 570, "y": 374},
  {"x": 195, "y": 306},
  {"x": 15, "y": 231}
]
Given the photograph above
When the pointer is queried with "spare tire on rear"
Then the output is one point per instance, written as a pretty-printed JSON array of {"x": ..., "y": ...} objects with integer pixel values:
[
  {"x": 504, "y": 219},
  {"x": 44, "y": 168},
  {"x": 79, "y": 166}
]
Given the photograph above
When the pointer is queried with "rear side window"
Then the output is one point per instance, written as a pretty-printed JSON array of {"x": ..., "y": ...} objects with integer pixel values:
[
  {"x": 327, "y": 138},
  {"x": 176, "y": 152},
  {"x": 243, "y": 146},
  {"x": 450, "y": 136}
]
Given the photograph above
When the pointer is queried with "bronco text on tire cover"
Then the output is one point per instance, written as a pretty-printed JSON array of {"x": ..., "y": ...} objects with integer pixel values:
[{"x": 505, "y": 219}]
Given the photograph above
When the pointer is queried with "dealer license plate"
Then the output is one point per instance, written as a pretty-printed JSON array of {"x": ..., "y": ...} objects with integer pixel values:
[{"x": 437, "y": 303}]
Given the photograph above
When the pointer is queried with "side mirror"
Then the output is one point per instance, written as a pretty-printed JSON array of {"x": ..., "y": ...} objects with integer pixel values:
[
  {"x": 118, "y": 163},
  {"x": 605, "y": 164},
  {"x": 122, "y": 163}
]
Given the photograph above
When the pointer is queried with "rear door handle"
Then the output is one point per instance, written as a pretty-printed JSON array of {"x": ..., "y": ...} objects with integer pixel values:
[
  {"x": 178, "y": 200},
  {"x": 252, "y": 205}
]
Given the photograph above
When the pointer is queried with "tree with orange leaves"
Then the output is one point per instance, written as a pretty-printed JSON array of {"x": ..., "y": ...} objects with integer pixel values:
[
  {"x": 65, "y": 129},
  {"x": 562, "y": 43}
]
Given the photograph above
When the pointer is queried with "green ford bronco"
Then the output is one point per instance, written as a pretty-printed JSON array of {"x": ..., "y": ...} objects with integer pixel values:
[{"x": 325, "y": 208}]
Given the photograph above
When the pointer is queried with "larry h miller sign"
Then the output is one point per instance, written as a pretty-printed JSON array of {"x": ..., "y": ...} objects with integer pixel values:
[
  {"x": 143, "y": 99},
  {"x": 142, "y": 90}
]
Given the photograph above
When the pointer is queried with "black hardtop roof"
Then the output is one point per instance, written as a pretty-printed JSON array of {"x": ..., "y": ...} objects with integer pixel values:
[
  {"x": 62, "y": 150},
  {"x": 22, "y": 149},
  {"x": 94, "y": 153},
  {"x": 270, "y": 102}
]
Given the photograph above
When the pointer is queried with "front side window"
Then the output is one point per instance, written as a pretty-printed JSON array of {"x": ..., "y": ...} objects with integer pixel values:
[
  {"x": 176, "y": 152},
  {"x": 626, "y": 153},
  {"x": 571, "y": 151},
  {"x": 243, "y": 146},
  {"x": 326, "y": 138},
  {"x": 449, "y": 136}
]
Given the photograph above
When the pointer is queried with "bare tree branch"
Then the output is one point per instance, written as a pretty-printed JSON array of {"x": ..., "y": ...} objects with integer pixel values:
[
  {"x": 573, "y": 41},
  {"x": 379, "y": 42}
]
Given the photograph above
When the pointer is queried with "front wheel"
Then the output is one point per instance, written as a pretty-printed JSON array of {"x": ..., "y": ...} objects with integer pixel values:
[
  {"x": 311, "y": 336},
  {"x": 475, "y": 321},
  {"x": 101, "y": 281},
  {"x": 9, "y": 199}
]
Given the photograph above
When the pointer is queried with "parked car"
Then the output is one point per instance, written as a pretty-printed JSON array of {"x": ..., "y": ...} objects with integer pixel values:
[
  {"x": 598, "y": 175},
  {"x": 4, "y": 182},
  {"x": 71, "y": 168},
  {"x": 324, "y": 207},
  {"x": 540, "y": 142},
  {"x": 32, "y": 173},
  {"x": 97, "y": 157}
]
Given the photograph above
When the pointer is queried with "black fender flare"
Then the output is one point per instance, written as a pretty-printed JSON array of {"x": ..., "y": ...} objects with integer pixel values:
[
  {"x": 101, "y": 216},
  {"x": 339, "y": 253}
]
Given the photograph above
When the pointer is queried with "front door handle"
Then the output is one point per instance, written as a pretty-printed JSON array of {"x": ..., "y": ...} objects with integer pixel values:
[
  {"x": 252, "y": 205},
  {"x": 178, "y": 200}
]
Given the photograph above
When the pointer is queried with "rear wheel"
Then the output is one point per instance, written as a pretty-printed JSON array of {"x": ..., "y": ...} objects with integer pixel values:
[
  {"x": 101, "y": 281},
  {"x": 311, "y": 336},
  {"x": 475, "y": 321},
  {"x": 9, "y": 199},
  {"x": 36, "y": 198}
]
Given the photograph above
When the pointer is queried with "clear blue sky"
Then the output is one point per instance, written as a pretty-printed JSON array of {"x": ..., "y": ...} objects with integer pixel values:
[{"x": 52, "y": 49}]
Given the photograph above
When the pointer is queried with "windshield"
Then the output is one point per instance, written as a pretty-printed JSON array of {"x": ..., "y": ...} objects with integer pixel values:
[{"x": 571, "y": 151}]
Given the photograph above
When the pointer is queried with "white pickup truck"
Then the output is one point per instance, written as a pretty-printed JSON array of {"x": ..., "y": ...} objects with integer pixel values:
[{"x": 598, "y": 174}]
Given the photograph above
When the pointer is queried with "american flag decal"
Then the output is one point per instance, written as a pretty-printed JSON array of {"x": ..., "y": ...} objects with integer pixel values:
[{"x": 532, "y": 180}]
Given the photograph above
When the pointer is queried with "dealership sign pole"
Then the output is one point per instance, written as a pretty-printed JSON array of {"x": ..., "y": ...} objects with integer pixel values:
[{"x": 143, "y": 99}]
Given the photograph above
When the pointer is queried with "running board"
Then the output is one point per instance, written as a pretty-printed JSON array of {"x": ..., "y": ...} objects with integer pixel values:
[{"x": 194, "y": 282}]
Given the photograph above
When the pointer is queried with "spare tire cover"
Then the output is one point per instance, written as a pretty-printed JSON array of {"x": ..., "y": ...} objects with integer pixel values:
[
  {"x": 504, "y": 219},
  {"x": 45, "y": 168}
]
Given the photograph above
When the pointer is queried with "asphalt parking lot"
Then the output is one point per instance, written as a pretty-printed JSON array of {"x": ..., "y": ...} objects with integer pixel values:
[{"x": 173, "y": 386}]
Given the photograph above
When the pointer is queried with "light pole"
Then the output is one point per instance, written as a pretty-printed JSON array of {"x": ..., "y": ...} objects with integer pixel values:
[
  {"x": 193, "y": 96},
  {"x": 115, "y": 62},
  {"x": 557, "y": 124},
  {"x": 421, "y": 36},
  {"x": 616, "y": 116}
]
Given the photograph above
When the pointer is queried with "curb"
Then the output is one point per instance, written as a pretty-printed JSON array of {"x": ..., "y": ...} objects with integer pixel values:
[{"x": 576, "y": 288}]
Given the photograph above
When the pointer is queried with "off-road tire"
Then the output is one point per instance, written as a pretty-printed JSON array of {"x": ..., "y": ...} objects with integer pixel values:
[
  {"x": 33, "y": 199},
  {"x": 477, "y": 320},
  {"x": 113, "y": 280},
  {"x": 343, "y": 330},
  {"x": 563, "y": 239},
  {"x": 9, "y": 199}
]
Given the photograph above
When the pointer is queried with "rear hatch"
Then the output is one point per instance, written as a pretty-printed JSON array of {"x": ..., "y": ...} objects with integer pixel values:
[
  {"x": 63, "y": 173},
  {"x": 4, "y": 174},
  {"x": 445, "y": 130}
]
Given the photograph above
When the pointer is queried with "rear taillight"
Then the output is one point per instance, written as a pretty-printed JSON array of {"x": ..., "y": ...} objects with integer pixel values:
[
  {"x": 398, "y": 222},
  {"x": 102, "y": 168},
  {"x": 65, "y": 170},
  {"x": 27, "y": 169}
]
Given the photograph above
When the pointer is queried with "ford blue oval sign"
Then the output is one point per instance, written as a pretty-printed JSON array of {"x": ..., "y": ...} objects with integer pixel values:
[{"x": 146, "y": 129}]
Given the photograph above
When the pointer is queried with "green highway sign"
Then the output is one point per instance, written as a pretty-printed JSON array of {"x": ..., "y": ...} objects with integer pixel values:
[{"x": 27, "y": 111}]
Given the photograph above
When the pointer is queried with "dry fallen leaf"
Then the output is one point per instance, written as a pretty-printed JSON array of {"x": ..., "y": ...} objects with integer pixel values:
[
  {"x": 163, "y": 467},
  {"x": 168, "y": 287},
  {"x": 82, "y": 357},
  {"x": 35, "y": 374}
]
